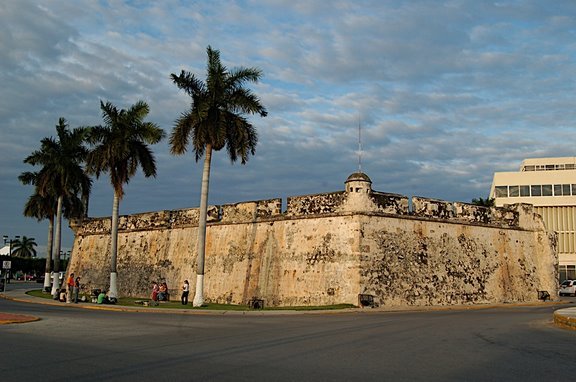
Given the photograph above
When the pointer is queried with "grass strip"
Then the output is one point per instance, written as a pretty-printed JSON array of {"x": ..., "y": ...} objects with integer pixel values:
[{"x": 134, "y": 301}]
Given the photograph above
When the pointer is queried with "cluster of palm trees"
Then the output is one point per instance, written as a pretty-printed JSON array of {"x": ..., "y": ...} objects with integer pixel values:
[
  {"x": 24, "y": 247},
  {"x": 216, "y": 119}
]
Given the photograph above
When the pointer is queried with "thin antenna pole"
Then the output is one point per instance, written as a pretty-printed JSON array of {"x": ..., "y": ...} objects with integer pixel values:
[{"x": 359, "y": 146}]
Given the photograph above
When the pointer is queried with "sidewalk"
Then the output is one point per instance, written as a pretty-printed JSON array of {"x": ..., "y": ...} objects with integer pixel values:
[
  {"x": 21, "y": 296},
  {"x": 565, "y": 318}
]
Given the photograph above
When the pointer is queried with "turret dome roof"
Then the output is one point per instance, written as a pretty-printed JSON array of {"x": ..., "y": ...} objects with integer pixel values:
[{"x": 358, "y": 177}]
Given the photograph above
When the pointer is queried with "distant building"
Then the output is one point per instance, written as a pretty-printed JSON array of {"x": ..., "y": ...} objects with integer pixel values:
[{"x": 550, "y": 185}]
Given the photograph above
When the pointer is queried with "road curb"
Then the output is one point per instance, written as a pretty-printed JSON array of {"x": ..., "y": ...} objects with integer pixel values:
[
  {"x": 9, "y": 318},
  {"x": 565, "y": 320}
]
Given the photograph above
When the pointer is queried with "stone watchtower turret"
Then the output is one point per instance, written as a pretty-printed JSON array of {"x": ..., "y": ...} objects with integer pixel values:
[
  {"x": 358, "y": 182},
  {"x": 358, "y": 190}
]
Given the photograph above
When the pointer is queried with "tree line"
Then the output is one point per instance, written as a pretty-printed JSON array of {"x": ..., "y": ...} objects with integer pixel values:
[{"x": 120, "y": 146}]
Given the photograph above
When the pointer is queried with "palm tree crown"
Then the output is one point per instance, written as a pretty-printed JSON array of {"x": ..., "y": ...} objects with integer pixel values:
[
  {"x": 44, "y": 207},
  {"x": 61, "y": 160},
  {"x": 488, "y": 202},
  {"x": 24, "y": 247},
  {"x": 215, "y": 117},
  {"x": 121, "y": 145}
]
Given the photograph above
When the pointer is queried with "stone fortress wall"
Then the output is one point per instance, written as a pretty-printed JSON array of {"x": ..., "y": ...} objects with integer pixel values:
[{"x": 329, "y": 248}]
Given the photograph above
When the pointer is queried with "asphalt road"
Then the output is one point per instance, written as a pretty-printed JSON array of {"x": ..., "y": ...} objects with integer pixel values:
[{"x": 501, "y": 344}]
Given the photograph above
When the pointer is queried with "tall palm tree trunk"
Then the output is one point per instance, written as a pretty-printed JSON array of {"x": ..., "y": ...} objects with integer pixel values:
[
  {"x": 199, "y": 295},
  {"x": 48, "y": 268},
  {"x": 85, "y": 202},
  {"x": 114, "y": 248},
  {"x": 56, "y": 251}
]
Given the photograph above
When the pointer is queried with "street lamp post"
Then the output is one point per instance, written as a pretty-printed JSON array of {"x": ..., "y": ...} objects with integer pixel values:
[
  {"x": 64, "y": 256},
  {"x": 10, "y": 241}
]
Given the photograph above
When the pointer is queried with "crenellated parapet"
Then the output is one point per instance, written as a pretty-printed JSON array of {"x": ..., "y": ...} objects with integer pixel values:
[
  {"x": 432, "y": 208},
  {"x": 520, "y": 216},
  {"x": 250, "y": 211},
  {"x": 390, "y": 203},
  {"x": 353, "y": 200},
  {"x": 315, "y": 204}
]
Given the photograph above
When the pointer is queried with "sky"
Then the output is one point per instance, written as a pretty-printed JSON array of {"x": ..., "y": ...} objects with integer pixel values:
[{"x": 444, "y": 93}]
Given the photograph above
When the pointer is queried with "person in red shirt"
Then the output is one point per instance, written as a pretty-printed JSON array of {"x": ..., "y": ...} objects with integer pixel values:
[{"x": 70, "y": 283}]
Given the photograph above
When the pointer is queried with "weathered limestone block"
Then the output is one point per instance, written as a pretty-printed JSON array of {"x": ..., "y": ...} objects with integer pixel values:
[
  {"x": 185, "y": 218},
  {"x": 250, "y": 211},
  {"x": 268, "y": 208},
  {"x": 145, "y": 221},
  {"x": 92, "y": 226},
  {"x": 432, "y": 208},
  {"x": 505, "y": 216},
  {"x": 315, "y": 204},
  {"x": 472, "y": 213},
  {"x": 390, "y": 203},
  {"x": 526, "y": 217}
]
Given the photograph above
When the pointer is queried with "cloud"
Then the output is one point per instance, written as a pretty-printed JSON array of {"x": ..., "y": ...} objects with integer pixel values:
[{"x": 446, "y": 92}]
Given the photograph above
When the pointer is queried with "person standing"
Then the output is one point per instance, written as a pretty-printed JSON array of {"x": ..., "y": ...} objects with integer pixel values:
[
  {"x": 155, "y": 290},
  {"x": 70, "y": 285},
  {"x": 76, "y": 289},
  {"x": 185, "y": 292},
  {"x": 163, "y": 292}
]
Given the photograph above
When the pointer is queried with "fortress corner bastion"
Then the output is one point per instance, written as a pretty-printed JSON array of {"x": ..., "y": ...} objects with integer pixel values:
[{"x": 328, "y": 248}]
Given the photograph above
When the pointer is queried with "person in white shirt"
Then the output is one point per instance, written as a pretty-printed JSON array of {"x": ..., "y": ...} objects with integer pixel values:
[{"x": 185, "y": 291}]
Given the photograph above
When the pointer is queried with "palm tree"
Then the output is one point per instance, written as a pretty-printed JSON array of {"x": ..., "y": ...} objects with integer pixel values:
[
  {"x": 214, "y": 121},
  {"x": 24, "y": 247},
  {"x": 61, "y": 176},
  {"x": 120, "y": 147},
  {"x": 488, "y": 202},
  {"x": 44, "y": 208}
]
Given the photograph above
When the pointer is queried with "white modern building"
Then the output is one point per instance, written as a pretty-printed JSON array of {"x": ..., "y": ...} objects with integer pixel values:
[{"x": 550, "y": 185}]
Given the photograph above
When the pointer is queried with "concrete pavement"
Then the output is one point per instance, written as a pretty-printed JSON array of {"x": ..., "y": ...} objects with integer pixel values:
[{"x": 565, "y": 318}]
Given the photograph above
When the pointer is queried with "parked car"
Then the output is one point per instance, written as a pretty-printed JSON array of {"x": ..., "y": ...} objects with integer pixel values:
[
  {"x": 28, "y": 277},
  {"x": 568, "y": 287}
]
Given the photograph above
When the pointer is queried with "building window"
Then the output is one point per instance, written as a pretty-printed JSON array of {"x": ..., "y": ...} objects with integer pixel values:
[
  {"x": 513, "y": 191},
  {"x": 557, "y": 190},
  {"x": 535, "y": 190},
  {"x": 569, "y": 166},
  {"x": 501, "y": 191},
  {"x": 566, "y": 272}
]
